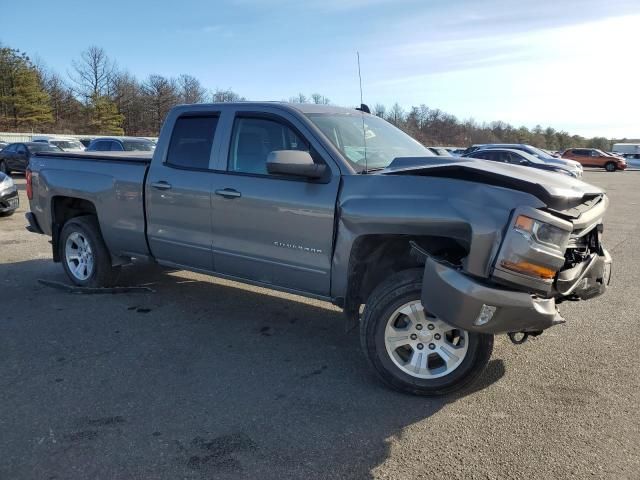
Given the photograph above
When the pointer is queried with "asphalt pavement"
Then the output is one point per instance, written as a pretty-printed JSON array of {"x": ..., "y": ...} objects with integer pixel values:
[{"x": 206, "y": 378}]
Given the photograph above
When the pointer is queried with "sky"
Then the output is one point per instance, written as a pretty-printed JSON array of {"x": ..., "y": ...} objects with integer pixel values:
[{"x": 570, "y": 64}]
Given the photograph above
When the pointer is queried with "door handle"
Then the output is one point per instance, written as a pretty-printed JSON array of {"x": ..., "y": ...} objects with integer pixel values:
[
  {"x": 228, "y": 193},
  {"x": 161, "y": 185}
]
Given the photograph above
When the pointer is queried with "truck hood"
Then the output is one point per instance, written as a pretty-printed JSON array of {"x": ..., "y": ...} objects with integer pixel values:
[{"x": 557, "y": 191}]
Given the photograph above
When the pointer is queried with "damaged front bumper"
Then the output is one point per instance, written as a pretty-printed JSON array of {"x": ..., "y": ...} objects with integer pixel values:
[{"x": 472, "y": 305}]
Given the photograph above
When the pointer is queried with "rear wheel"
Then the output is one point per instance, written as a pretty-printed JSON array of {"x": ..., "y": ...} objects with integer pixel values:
[
  {"x": 610, "y": 167},
  {"x": 411, "y": 349},
  {"x": 85, "y": 257}
]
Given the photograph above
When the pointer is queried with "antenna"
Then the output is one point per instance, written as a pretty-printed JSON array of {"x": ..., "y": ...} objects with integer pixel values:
[{"x": 364, "y": 132}]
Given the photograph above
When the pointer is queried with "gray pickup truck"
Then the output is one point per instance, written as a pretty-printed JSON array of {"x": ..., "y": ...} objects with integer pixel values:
[{"x": 432, "y": 256}]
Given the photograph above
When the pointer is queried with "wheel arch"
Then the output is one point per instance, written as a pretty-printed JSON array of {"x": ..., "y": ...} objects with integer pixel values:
[
  {"x": 375, "y": 257},
  {"x": 63, "y": 209}
]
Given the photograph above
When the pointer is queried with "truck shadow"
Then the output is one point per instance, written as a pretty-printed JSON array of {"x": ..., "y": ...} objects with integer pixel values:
[{"x": 236, "y": 381}]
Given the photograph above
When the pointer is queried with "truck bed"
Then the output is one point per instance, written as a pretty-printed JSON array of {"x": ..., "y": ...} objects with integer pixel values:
[{"x": 113, "y": 182}]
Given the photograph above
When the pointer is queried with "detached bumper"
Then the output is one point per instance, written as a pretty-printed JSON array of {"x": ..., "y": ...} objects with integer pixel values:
[{"x": 458, "y": 300}]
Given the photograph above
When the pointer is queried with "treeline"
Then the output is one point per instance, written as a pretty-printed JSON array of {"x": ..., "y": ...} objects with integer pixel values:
[
  {"x": 97, "y": 97},
  {"x": 434, "y": 127}
]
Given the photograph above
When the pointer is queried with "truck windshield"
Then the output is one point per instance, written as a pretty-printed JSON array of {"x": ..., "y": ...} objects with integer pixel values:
[{"x": 383, "y": 141}]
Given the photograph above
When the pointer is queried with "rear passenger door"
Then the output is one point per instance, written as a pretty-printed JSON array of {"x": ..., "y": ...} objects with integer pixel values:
[
  {"x": 273, "y": 229},
  {"x": 178, "y": 194},
  {"x": 582, "y": 155}
]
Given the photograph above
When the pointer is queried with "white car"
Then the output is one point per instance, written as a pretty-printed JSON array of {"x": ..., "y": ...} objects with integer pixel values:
[{"x": 67, "y": 144}]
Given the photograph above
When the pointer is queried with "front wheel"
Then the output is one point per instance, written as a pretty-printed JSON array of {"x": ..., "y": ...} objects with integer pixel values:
[
  {"x": 411, "y": 349},
  {"x": 610, "y": 167}
]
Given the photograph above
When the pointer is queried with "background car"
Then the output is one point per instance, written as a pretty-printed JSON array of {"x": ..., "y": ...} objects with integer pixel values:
[
  {"x": 455, "y": 151},
  {"x": 592, "y": 157},
  {"x": 9, "y": 200},
  {"x": 536, "y": 152},
  {"x": 440, "y": 151},
  {"x": 67, "y": 144},
  {"x": 121, "y": 144},
  {"x": 518, "y": 157},
  {"x": 15, "y": 156}
]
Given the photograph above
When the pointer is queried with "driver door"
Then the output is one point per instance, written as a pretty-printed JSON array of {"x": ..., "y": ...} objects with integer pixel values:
[{"x": 273, "y": 229}]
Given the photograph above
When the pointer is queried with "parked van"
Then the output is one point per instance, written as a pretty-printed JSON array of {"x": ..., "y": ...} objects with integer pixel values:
[
  {"x": 623, "y": 148},
  {"x": 68, "y": 144}
]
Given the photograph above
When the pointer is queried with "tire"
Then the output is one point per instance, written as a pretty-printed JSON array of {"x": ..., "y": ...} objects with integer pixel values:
[
  {"x": 7, "y": 214},
  {"x": 80, "y": 237},
  {"x": 610, "y": 167},
  {"x": 3, "y": 168},
  {"x": 472, "y": 351}
]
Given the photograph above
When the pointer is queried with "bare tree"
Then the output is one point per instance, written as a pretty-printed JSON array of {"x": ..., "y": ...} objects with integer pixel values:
[
  {"x": 130, "y": 100},
  {"x": 300, "y": 98},
  {"x": 228, "y": 95},
  {"x": 396, "y": 114},
  {"x": 94, "y": 74},
  {"x": 162, "y": 95},
  {"x": 380, "y": 110},
  {"x": 190, "y": 89},
  {"x": 319, "y": 99}
]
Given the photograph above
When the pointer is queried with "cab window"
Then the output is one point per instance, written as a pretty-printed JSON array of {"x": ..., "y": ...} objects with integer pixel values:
[{"x": 254, "y": 138}]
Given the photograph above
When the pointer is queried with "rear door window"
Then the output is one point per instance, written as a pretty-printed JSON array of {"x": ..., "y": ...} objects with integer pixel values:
[
  {"x": 191, "y": 142},
  {"x": 115, "y": 146}
]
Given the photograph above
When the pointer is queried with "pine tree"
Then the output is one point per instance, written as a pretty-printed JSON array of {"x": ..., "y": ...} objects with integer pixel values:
[
  {"x": 23, "y": 101},
  {"x": 103, "y": 117}
]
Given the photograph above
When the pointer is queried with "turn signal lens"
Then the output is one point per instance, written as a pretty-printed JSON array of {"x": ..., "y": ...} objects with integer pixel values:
[
  {"x": 530, "y": 269},
  {"x": 524, "y": 223}
]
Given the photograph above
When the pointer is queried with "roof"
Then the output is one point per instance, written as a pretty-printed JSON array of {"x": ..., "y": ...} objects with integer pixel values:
[
  {"x": 121, "y": 138},
  {"x": 300, "y": 107}
]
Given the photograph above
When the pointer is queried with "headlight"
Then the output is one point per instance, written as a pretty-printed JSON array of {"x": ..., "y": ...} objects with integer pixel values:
[
  {"x": 6, "y": 184},
  {"x": 544, "y": 261},
  {"x": 543, "y": 233}
]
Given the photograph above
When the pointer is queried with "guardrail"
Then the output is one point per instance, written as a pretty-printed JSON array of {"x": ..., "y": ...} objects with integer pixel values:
[{"x": 11, "y": 137}]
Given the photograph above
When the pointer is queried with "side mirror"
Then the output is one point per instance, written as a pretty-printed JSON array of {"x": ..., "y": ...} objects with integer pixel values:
[
  {"x": 524, "y": 162},
  {"x": 294, "y": 162}
]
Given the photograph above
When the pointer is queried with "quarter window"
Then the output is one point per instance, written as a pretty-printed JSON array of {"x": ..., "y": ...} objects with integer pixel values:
[
  {"x": 191, "y": 142},
  {"x": 254, "y": 138},
  {"x": 102, "y": 146}
]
